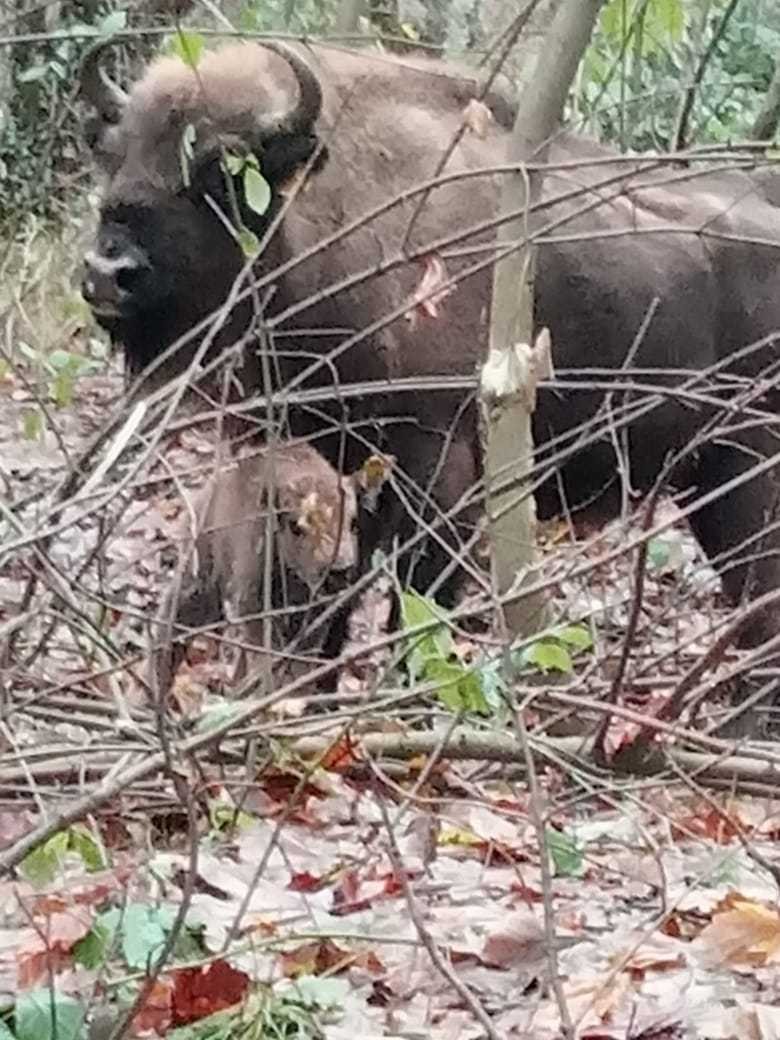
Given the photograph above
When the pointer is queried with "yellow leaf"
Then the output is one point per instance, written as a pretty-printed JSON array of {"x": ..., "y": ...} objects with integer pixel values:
[{"x": 747, "y": 933}]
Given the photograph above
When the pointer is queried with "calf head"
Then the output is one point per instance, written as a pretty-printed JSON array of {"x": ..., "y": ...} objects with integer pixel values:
[
  {"x": 318, "y": 529},
  {"x": 167, "y": 248}
]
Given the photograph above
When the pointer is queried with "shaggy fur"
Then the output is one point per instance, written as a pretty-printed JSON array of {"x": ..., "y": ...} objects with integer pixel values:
[
  {"x": 315, "y": 542},
  {"x": 707, "y": 253}
]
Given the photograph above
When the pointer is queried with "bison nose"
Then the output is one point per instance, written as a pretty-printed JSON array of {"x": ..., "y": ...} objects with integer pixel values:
[{"x": 109, "y": 282}]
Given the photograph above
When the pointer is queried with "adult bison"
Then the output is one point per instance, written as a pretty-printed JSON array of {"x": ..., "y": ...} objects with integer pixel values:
[{"x": 623, "y": 250}]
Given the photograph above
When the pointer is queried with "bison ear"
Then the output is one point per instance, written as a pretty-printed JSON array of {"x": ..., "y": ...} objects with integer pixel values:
[{"x": 284, "y": 154}]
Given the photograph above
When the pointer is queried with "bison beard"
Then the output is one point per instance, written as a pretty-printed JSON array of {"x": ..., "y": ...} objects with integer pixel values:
[
  {"x": 704, "y": 250},
  {"x": 315, "y": 546}
]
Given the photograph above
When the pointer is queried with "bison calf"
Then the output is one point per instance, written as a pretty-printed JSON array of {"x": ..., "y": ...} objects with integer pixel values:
[{"x": 223, "y": 569}]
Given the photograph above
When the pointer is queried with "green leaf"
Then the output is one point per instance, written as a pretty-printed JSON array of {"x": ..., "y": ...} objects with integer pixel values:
[
  {"x": 316, "y": 991},
  {"x": 434, "y": 645},
  {"x": 666, "y": 18},
  {"x": 93, "y": 950},
  {"x": 32, "y": 424},
  {"x": 42, "y": 865},
  {"x": 62, "y": 389},
  {"x": 5, "y": 1032},
  {"x": 257, "y": 190},
  {"x": 234, "y": 163},
  {"x": 143, "y": 934},
  {"x": 188, "y": 46},
  {"x": 577, "y": 636},
  {"x": 46, "y": 1015},
  {"x": 459, "y": 688},
  {"x": 565, "y": 853},
  {"x": 83, "y": 842},
  {"x": 249, "y": 242},
  {"x": 658, "y": 553},
  {"x": 548, "y": 657}
]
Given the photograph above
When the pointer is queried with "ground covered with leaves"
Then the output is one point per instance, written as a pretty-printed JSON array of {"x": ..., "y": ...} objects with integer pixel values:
[{"x": 467, "y": 843}]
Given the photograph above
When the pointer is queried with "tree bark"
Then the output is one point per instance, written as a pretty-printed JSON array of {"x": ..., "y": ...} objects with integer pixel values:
[
  {"x": 765, "y": 126},
  {"x": 507, "y": 403},
  {"x": 347, "y": 16}
]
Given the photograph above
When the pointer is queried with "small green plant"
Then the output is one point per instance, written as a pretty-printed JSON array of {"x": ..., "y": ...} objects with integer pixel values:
[
  {"x": 59, "y": 369},
  {"x": 431, "y": 657},
  {"x": 42, "y": 865}
]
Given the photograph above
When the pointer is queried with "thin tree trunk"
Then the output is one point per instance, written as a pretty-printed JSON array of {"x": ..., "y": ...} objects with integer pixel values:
[
  {"x": 765, "y": 126},
  {"x": 347, "y": 16},
  {"x": 508, "y": 377}
]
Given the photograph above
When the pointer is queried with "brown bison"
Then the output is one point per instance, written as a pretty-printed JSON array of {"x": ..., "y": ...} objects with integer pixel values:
[
  {"x": 223, "y": 568},
  {"x": 635, "y": 269}
]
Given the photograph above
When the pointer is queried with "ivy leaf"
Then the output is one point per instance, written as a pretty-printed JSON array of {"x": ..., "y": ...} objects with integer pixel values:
[
  {"x": 83, "y": 842},
  {"x": 548, "y": 657},
  {"x": 436, "y": 644},
  {"x": 46, "y": 1015},
  {"x": 577, "y": 636},
  {"x": 188, "y": 46},
  {"x": 257, "y": 191},
  {"x": 42, "y": 865},
  {"x": 459, "y": 688},
  {"x": 141, "y": 930},
  {"x": 565, "y": 852},
  {"x": 92, "y": 951}
]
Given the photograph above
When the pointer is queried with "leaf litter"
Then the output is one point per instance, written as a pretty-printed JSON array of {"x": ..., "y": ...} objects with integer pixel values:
[{"x": 663, "y": 925}]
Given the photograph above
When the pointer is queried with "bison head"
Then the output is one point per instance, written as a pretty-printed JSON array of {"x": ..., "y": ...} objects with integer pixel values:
[{"x": 174, "y": 152}]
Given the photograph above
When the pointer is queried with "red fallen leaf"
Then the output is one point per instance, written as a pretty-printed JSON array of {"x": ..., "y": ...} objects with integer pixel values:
[
  {"x": 707, "y": 822},
  {"x": 198, "y": 992},
  {"x": 50, "y": 945},
  {"x": 305, "y": 882},
  {"x": 155, "y": 1013},
  {"x": 282, "y": 786},
  {"x": 346, "y": 895},
  {"x": 340, "y": 756},
  {"x": 525, "y": 894},
  {"x": 431, "y": 291}
]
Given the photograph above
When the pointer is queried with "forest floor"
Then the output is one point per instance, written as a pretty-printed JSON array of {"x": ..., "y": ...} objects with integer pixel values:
[{"x": 395, "y": 867}]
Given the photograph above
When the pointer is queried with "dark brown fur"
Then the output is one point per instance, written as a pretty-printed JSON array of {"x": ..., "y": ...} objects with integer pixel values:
[
  {"x": 708, "y": 252},
  {"x": 222, "y": 569}
]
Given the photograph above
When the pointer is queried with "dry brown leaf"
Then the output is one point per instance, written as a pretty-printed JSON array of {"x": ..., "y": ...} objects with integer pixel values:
[
  {"x": 519, "y": 941},
  {"x": 747, "y": 933}
]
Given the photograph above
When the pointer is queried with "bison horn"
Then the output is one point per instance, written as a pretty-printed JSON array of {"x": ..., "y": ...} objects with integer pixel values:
[
  {"x": 309, "y": 104},
  {"x": 98, "y": 88}
]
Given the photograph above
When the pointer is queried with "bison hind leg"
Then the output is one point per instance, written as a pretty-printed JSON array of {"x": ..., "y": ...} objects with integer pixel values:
[{"x": 740, "y": 533}]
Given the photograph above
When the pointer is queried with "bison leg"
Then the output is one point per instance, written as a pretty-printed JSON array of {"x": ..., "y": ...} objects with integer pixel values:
[{"x": 740, "y": 532}]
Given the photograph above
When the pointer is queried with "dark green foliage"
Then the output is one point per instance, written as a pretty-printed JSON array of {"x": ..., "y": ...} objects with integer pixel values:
[
  {"x": 43, "y": 159},
  {"x": 645, "y": 53}
]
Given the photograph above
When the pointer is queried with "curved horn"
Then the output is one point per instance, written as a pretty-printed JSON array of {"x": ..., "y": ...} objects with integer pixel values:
[
  {"x": 98, "y": 88},
  {"x": 309, "y": 105}
]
